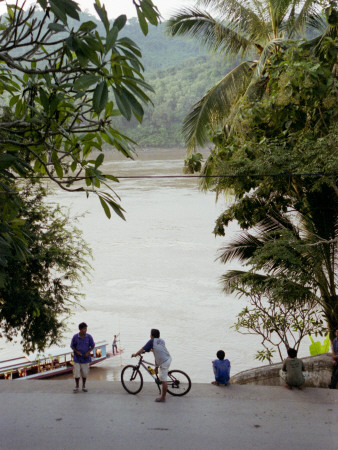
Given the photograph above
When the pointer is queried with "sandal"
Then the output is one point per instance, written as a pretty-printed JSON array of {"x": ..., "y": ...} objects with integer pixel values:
[
  {"x": 84, "y": 389},
  {"x": 76, "y": 390}
]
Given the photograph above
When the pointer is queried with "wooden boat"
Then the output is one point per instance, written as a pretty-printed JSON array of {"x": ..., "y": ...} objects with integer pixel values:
[{"x": 47, "y": 366}]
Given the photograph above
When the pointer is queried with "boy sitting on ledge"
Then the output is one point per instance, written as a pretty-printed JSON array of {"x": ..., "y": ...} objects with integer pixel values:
[
  {"x": 293, "y": 368},
  {"x": 221, "y": 368}
]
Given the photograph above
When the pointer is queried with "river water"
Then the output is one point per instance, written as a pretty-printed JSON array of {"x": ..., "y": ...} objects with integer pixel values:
[{"x": 157, "y": 269}]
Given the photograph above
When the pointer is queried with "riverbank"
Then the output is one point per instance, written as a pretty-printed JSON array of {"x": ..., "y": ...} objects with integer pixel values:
[{"x": 46, "y": 414}]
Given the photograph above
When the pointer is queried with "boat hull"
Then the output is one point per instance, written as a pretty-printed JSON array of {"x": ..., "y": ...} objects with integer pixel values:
[{"x": 46, "y": 367}]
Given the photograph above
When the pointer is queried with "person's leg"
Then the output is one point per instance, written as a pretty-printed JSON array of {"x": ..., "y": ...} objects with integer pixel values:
[
  {"x": 84, "y": 373},
  {"x": 163, "y": 375},
  {"x": 215, "y": 371},
  {"x": 334, "y": 378},
  {"x": 77, "y": 371}
]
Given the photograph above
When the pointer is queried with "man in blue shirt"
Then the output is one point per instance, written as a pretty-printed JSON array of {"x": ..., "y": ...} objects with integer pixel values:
[
  {"x": 334, "y": 378},
  {"x": 82, "y": 344},
  {"x": 221, "y": 368}
]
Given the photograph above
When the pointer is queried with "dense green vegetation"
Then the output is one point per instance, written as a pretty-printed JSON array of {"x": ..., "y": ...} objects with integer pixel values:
[
  {"x": 180, "y": 72},
  {"x": 176, "y": 90},
  {"x": 274, "y": 140},
  {"x": 63, "y": 82}
]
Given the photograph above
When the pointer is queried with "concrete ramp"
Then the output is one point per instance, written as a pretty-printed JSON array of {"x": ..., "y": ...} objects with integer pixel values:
[{"x": 47, "y": 415}]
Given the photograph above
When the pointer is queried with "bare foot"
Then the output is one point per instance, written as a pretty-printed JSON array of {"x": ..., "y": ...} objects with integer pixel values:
[
  {"x": 160, "y": 400},
  {"x": 216, "y": 383}
]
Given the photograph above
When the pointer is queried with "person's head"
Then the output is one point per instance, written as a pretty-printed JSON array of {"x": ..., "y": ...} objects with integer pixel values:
[
  {"x": 336, "y": 332},
  {"x": 220, "y": 355},
  {"x": 154, "y": 333},
  {"x": 114, "y": 335},
  {"x": 292, "y": 353},
  {"x": 83, "y": 328}
]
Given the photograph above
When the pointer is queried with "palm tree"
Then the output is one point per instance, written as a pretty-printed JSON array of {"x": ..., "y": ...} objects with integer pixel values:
[
  {"x": 299, "y": 246},
  {"x": 249, "y": 29}
]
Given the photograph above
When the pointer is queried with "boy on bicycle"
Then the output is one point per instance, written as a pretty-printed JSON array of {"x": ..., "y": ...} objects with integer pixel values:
[{"x": 162, "y": 359}]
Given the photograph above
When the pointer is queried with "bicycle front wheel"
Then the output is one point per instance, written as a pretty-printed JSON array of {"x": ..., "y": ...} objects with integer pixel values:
[
  {"x": 178, "y": 383},
  {"x": 131, "y": 379}
]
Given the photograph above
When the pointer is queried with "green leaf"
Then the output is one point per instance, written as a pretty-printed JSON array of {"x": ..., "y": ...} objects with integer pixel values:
[
  {"x": 6, "y": 160},
  {"x": 111, "y": 38},
  {"x": 117, "y": 209},
  {"x": 85, "y": 81},
  {"x": 105, "y": 207},
  {"x": 13, "y": 100},
  {"x": 120, "y": 22},
  {"x": 122, "y": 104},
  {"x": 149, "y": 12},
  {"x": 88, "y": 26},
  {"x": 57, "y": 27},
  {"x": 142, "y": 21},
  {"x": 101, "y": 11},
  {"x": 69, "y": 7},
  {"x": 99, "y": 160},
  {"x": 44, "y": 100},
  {"x": 72, "y": 43},
  {"x": 42, "y": 3},
  {"x": 100, "y": 97},
  {"x": 58, "y": 169},
  {"x": 59, "y": 13}
]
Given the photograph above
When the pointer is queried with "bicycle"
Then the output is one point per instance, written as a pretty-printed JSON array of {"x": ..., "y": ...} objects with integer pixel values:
[{"x": 178, "y": 382}]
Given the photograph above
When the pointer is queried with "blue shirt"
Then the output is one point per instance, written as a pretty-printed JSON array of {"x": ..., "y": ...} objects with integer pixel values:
[
  {"x": 82, "y": 345},
  {"x": 221, "y": 370},
  {"x": 335, "y": 346}
]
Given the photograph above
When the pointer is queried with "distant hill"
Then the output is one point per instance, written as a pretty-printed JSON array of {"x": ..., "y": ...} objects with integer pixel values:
[{"x": 180, "y": 73}]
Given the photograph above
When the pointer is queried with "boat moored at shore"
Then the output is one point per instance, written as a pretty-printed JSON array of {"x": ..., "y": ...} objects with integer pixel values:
[{"x": 23, "y": 368}]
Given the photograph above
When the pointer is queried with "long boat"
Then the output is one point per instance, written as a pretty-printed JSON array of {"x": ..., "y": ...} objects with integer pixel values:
[{"x": 23, "y": 368}]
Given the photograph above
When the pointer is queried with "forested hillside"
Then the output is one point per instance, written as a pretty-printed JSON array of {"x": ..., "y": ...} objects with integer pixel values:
[{"x": 180, "y": 73}]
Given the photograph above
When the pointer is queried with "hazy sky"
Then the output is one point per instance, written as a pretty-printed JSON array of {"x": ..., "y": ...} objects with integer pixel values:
[{"x": 117, "y": 7}]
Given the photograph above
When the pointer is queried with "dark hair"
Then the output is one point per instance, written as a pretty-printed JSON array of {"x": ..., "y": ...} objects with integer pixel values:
[
  {"x": 155, "y": 333},
  {"x": 82, "y": 325},
  {"x": 292, "y": 352},
  {"x": 220, "y": 354}
]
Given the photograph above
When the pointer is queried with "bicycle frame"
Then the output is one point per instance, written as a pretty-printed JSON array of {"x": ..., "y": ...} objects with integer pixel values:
[{"x": 155, "y": 377}]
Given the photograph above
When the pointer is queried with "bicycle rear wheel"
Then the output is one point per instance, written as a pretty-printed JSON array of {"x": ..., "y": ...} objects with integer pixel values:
[
  {"x": 178, "y": 383},
  {"x": 132, "y": 379}
]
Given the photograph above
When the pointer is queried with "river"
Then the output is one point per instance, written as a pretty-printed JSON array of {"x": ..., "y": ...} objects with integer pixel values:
[{"x": 157, "y": 269}]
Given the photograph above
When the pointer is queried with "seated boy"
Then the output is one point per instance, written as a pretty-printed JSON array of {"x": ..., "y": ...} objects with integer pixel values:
[
  {"x": 294, "y": 369},
  {"x": 221, "y": 368}
]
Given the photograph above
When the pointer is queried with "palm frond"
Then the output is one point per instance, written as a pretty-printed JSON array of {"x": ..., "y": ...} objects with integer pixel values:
[
  {"x": 210, "y": 32},
  {"x": 309, "y": 14},
  {"x": 238, "y": 277},
  {"x": 269, "y": 48},
  {"x": 246, "y": 17},
  {"x": 241, "y": 248},
  {"x": 214, "y": 105}
]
